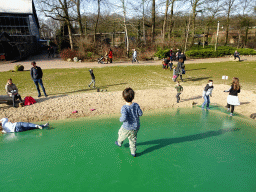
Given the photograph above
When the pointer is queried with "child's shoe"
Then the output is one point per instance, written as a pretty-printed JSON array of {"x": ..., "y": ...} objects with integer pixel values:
[
  {"x": 117, "y": 144},
  {"x": 39, "y": 127},
  {"x": 208, "y": 108},
  {"x": 231, "y": 114},
  {"x": 46, "y": 124},
  {"x": 228, "y": 109}
]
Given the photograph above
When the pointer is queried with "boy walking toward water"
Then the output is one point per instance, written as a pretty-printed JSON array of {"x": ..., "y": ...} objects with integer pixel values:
[
  {"x": 179, "y": 89},
  {"x": 207, "y": 93},
  {"x": 130, "y": 114},
  {"x": 93, "y": 78}
]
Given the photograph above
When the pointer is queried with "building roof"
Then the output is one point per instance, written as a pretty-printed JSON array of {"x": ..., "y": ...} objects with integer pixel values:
[{"x": 16, "y": 6}]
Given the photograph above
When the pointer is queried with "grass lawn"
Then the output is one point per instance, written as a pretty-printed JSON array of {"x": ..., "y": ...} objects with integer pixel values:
[{"x": 66, "y": 81}]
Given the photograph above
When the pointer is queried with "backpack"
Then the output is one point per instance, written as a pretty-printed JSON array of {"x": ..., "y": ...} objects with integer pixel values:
[{"x": 29, "y": 100}]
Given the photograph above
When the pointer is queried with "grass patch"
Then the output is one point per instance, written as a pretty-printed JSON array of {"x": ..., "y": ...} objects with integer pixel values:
[{"x": 67, "y": 81}]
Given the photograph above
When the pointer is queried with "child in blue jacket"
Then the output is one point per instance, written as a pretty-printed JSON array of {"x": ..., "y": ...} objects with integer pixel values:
[{"x": 130, "y": 114}]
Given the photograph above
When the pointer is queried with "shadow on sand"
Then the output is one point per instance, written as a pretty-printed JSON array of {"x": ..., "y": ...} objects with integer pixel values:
[{"x": 89, "y": 89}]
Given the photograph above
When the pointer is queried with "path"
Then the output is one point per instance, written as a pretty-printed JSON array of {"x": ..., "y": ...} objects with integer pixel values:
[{"x": 45, "y": 63}]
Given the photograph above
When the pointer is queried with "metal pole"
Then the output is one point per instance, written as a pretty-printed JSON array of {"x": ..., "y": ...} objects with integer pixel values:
[{"x": 216, "y": 43}]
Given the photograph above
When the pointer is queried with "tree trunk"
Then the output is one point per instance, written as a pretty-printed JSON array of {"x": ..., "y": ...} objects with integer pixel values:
[
  {"x": 165, "y": 18},
  {"x": 67, "y": 18},
  {"x": 125, "y": 28},
  {"x": 153, "y": 20},
  {"x": 246, "y": 33},
  {"x": 227, "y": 30},
  {"x": 97, "y": 21},
  {"x": 79, "y": 18},
  {"x": 239, "y": 37},
  {"x": 143, "y": 23},
  {"x": 70, "y": 35},
  {"x": 171, "y": 20},
  {"x": 187, "y": 36},
  {"x": 194, "y": 20}
]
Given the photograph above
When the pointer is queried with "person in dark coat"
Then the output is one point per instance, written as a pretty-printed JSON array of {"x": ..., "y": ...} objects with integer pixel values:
[{"x": 37, "y": 75}]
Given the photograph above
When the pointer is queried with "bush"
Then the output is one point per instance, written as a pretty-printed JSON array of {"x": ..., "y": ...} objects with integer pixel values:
[
  {"x": 209, "y": 51},
  {"x": 68, "y": 53},
  {"x": 161, "y": 53},
  {"x": 18, "y": 67}
]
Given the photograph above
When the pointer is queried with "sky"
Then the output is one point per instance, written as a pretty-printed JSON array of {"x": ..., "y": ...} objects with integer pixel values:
[{"x": 113, "y": 6}]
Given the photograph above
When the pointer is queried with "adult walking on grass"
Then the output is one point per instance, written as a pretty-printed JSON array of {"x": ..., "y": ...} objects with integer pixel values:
[
  {"x": 37, "y": 75},
  {"x": 232, "y": 99},
  {"x": 134, "y": 56}
]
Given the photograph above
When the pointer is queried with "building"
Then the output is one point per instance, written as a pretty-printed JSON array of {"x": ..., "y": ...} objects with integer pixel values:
[{"x": 19, "y": 29}]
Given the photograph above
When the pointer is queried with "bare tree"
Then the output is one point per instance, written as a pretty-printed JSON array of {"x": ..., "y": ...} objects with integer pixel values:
[
  {"x": 79, "y": 18},
  {"x": 143, "y": 21},
  {"x": 59, "y": 10},
  {"x": 165, "y": 17},
  {"x": 123, "y": 6},
  {"x": 97, "y": 20},
  {"x": 244, "y": 20},
  {"x": 229, "y": 5},
  {"x": 171, "y": 18},
  {"x": 212, "y": 8},
  {"x": 195, "y": 5},
  {"x": 153, "y": 19}
]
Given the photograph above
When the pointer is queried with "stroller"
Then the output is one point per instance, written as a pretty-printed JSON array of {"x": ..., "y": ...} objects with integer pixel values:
[{"x": 100, "y": 60}]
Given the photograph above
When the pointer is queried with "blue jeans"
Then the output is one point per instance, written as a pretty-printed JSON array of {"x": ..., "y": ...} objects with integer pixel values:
[
  {"x": 22, "y": 126},
  {"x": 206, "y": 101},
  {"x": 134, "y": 59},
  {"x": 36, "y": 81},
  {"x": 237, "y": 57}
]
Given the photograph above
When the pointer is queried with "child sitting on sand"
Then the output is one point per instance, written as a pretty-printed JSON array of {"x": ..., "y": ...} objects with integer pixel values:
[
  {"x": 179, "y": 89},
  {"x": 130, "y": 114}
]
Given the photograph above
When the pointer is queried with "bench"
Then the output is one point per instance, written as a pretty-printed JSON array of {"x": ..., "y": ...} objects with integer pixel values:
[{"x": 5, "y": 99}]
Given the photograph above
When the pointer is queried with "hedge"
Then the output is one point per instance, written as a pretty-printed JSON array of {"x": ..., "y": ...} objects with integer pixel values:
[{"x": 196, "y": 52}]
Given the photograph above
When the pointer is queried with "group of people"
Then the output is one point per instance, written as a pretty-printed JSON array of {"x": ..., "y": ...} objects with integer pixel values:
[
  {"x": 36, "y": 74},
  {"x": 131, "y": 112},
  {"x": 178, "y": 70},
  {"x": 232, "y": 99}
]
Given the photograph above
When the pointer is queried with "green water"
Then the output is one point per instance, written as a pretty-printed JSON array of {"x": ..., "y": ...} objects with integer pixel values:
[{"x": 180, "y": 150}]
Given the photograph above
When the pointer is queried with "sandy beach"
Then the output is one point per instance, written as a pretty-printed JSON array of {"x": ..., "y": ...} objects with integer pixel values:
[{"x": 105, "y": 103}]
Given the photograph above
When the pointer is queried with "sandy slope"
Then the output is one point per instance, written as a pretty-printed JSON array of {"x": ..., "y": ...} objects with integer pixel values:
[{"x": 61, "y": 107}]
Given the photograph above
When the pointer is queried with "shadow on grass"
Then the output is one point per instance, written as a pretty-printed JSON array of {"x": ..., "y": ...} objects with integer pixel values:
[
  {"x": 89, "y": 89},
  {"x": 160, "y": 143},
  {"x": 195, "y": 69},
  {"x": 196, "y": 79}
]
